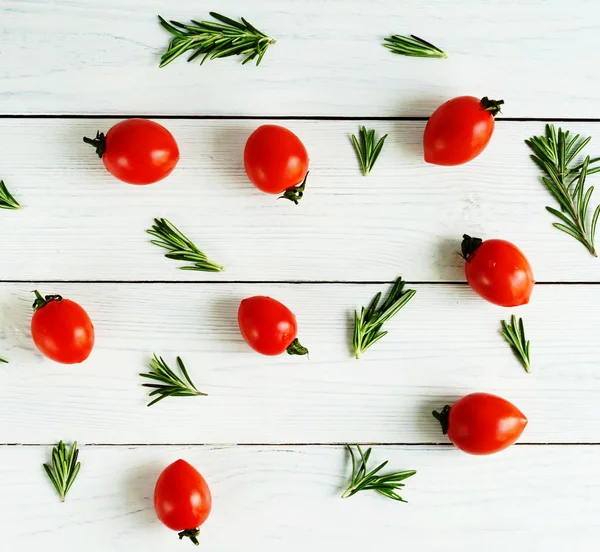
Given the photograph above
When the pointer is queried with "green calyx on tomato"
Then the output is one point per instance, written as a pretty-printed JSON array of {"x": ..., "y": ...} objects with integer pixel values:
[
  {"x": 493, "y": 106},
  {"x": 99, "y": 143},
  {"x": 295, "y": 193},
  {"x": 191, "y": 534},
  {"x": 43, "y": 301},
  {"x": 469, "y": 246},
  {"x": 296, "y": 348},
  {"x": 443, "y": 417}
]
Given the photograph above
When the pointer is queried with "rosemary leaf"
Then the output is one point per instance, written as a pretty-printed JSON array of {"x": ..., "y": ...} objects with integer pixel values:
[
  {"x": 554, "y": 153},
  {"x": 368, "y": 324},
  {"x": 7, "y": 200},
  {"x": 64, "y": 468},
  {"x": 367, "y": 150},
  {"x": 3, "y": 361},
  {"x": 362, "y": 479},
  {"x": 180, "y": 247},
  {"x": 215, "y": 40},
  {"x": 413, "y": 46},
  {"x": 515, "y": 335},
  {"x": 171, "y": 385}
]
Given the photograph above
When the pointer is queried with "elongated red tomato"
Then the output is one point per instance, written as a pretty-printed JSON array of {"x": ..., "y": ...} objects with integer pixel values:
[
  {"x": 276, "y": 161},
  {"x": 137, "y": 151},
  {"x": 481, "y": 423},
  {"x": 498, "y": 271},
  {"x": 269, "y": 327},
  {"x": 61, "y": 329},
  {"x": 459, "y": 130},
  {"x": 182, "y": 499}
]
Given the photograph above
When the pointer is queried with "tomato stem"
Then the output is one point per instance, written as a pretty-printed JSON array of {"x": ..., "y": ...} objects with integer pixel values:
[
  {"x": 443, "y": 418},
  {"x": 493, "y": 106},
  {"x": 295, "y": 193},
  {"x": 43, "y": 301},
  {"x": 296, "y": 348},
  {"x": 469, "y": 246},
  {"x": 99, "y": 143},
  {"x": 191, "y": 534}
]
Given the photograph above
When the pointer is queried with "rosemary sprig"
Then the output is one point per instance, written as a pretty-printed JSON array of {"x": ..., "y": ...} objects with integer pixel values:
[
  {"x": 515, "y": 335},
  {"x": 367, "y": 149},
  {"x": 180, "y": 247},
  {"x": 555, "y": 154},
  {"x": 64, "y": 468},
  {"x": 363, "y": 480},
  {"x": 7, "y": 200},
  {"x": 413, "y": 46},
  {"x": 171, "y": 384},
  {"x": 215, "y": 40},
  {"x": 367, "y": 325}
]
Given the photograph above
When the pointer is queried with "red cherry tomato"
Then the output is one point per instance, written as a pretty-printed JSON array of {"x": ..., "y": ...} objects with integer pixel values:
[
  {"x": 61, "y": 329},
  {"x": 182, "y": 499},
  {"x": 498, "y": 271},
  {"x": 459, "y": 130},
  {"x": 269, "y": 327},
  {"x": 137, "y": 151},
  {"x": 276, "y": 161},
  {"x": 481, "y": 423}
]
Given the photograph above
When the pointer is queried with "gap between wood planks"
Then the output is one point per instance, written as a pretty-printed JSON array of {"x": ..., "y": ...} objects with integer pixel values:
[
  {"x": 279, "y": 117},
  {"x": 284, "y": 282},
  {"x": 277, "y": 445}
]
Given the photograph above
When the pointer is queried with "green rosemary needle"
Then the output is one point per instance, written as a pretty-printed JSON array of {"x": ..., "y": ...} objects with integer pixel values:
[
  {"x": 363, "y": 480},
  {"x": 171, "y": 385},
  {"x": 514, "y": 333},
  {"x": 3, "y": 361},
  {"x": 367, "y": 325},
  {"x": 413, "y": 46},
  {"x": 215, "y": 40},
  {"x": 64, "y": 468},
  {"x": 367, "y": 150},
  {"x": 555, "y": 154},
  {"x": 7, "y": 200},
  {"x": 180, "y": 247}
]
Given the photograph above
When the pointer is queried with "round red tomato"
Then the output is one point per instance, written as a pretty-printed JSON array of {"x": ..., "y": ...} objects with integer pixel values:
[
  {"x": 498, "y": 271},
  {"x": 481, "y": 423},
  {"x": 182, "y": 499},
  {"x": 276, "y": 161},
  {"x": 137, "y": 151},
  {"x": 61, "y": 329},
  {"x": 269, "y": 327},
  {"x": 459, "y": 130}
]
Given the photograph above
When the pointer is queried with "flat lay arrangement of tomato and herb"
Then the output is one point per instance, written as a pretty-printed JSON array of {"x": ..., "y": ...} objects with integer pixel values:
[{"x": 498, "y": 270}]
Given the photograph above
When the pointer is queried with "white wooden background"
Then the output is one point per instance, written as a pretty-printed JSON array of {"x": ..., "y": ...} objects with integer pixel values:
[{"x": 269, "y": 437}]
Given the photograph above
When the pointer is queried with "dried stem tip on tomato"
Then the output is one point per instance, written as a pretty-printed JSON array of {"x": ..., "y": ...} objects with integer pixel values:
[{"x": 42, "y": 301}]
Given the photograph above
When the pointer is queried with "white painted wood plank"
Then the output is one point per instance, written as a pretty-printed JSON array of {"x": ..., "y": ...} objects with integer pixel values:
[
  {"x": 101, "y": 56},
  {"x": 444, "y": 344},
  {"x": 528, "y": 498},
  {"x": 407, "y": 217}
]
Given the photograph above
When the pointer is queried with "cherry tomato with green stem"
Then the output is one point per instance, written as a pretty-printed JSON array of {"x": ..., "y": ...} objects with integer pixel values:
[
  {"x": 481, "y": 423},
  {"x": 182, "y": 499},
  {"x": 61, "y": 329},
  {"x": 459, "y": 130},
  {"x": 498, "y": 271},
  {"x": 269, "y": 327},
  {"x": 276, "y": 162},
  {"x": 137, "y": 151}
]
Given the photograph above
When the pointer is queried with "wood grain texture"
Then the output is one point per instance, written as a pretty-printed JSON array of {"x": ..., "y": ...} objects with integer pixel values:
[
  {"x": 101, "y": 56},
  {"x": 408, "y": 217},
  {"x": 274, "y": 498},
  {"x": 445, "y": 343}
]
